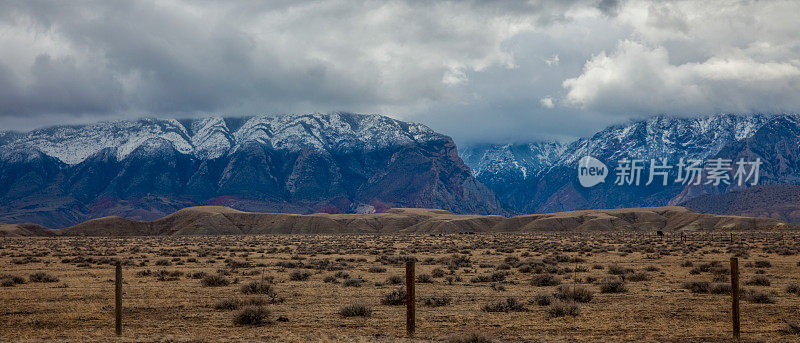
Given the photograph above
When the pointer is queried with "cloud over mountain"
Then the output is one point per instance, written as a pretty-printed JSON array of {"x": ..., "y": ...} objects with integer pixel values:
[{"x": 480, "y": 71}]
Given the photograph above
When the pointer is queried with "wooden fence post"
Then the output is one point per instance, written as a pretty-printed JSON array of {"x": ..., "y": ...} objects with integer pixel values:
[
  {"x": 410, "y": 305},
  {"x": 118, "y": 302},
  {"x": 735, "y": 297}
]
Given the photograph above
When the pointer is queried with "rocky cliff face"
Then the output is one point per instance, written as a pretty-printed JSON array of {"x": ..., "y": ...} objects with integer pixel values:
[{"x": 143, "y": 169}]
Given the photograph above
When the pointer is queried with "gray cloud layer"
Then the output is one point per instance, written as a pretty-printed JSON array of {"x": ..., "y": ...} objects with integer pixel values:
[{"x": 480, "y": 71}]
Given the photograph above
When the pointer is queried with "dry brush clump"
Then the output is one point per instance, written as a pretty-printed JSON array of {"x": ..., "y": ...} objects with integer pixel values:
[
  {"x": 437, "y": 300},
  {"x": 700, "y": 287},
  {"x": 470, "y": 338},
  {"x": 262, "y": 287},
  {"x": 612, "y": 284},
  {"x": 7, "y": 280},
  {"x": 355, "y": 310},
  {"x": 561, "y": 308},
  {"x": 543, "y": 280},
  {"x": 757, "y": 297},
  {"x": 252, "y": 315},
  {"x": 576, "y": 293},
  {"x": 510, "y": 304},
  {"x": 215, "y": 280},
  {"x": 42, "y": 277},
  {"x": 395, "y": 297},
  {"x": 758, "y": 280},
  {"x": 299, "y": 275},
  {"x": 542, "y": 299},
  {"x": 793, "y": 288}
]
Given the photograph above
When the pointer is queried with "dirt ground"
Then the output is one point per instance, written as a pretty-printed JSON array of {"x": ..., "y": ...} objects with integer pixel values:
[{"x": 614, "y": 287}]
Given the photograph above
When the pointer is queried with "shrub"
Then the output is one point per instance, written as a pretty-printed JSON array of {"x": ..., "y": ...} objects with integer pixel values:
[
  {"x": 792, "y": 328},
  {"x": 229, "y": 304},
  {"x": 471, "y": 338},
  {"x": 299, "y": 275},
  {"x": 377, "y": 269},
  {"x": 616, "y": 269},
  {"x": 543, "y": 280},
  {"x": 720, "y": 288},
  {"x": 762, "y": 264},
  {"x": 563, "y": 308},
  {"x": 395, "y": 280},
  {"x": 163, "y": 262},
  {"x": 11, "y": 280},
  {"x": 252, "y": 315},
  {"x": 757, "y": 297},
  {"x": 511, "y": 304},
  {"x": 396, "y": 297},
  {"x": 165, "y": 275},
  {"x": 638, "y": 276},
  {"x": 437, "y": 300},
  {"x": 480, "y": 278},
  {"x": 144, "y": 272},
  {"x": 330, "y": 279},
  {"x": 215, "y": 281},
  {"x": 543, "y": 299},
  {"x": 578, "y": 293},
  {"x": 355, "y": 310},
  {"x": 499, "y": 276},
  {"x": 42, "y": 277},
  {"x": 424, "y": 278},
  {"x": 612, "y": 284},
  {"x": 438, "y": 272},
  {"x": 793, "y": 288},
  {"x": 353, "y": 282},
  {"x": 259, "y": 287},
  {"x": 758, "y": 280},
  {"x": 701, "y": 287}
]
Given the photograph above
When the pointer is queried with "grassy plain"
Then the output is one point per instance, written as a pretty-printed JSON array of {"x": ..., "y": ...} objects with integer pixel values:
[{"x": 501, "y": 287}]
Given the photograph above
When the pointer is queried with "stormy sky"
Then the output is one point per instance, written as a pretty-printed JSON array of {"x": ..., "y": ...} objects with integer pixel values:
[{"x": 480, "y": 71}]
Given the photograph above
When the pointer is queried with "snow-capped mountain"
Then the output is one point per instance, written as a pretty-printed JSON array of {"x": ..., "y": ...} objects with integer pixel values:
[
  {"x": 663, "y": 136},
  {"x": 145, "y": 168},
  {"x": 210, "y": 138},
  {"x": 547, "y": 182},
  {"x": 511, "y": 160}
]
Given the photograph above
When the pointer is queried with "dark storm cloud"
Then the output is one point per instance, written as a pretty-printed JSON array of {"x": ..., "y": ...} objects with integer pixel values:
[{"x": 478, "y": 70}]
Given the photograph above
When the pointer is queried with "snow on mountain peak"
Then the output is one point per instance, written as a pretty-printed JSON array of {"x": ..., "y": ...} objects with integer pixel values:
[
  {"x": 524, "y": 160},
  {"x": 210, "y": 137},
  {"x": 664, "y": 136}
]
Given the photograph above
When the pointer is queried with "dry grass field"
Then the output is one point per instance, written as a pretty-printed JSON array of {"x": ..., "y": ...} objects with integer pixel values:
[{"x": 470, "y": 288}]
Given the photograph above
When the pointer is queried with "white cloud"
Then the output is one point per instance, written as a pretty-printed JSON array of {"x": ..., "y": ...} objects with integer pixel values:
[
  {"x": 547, "y": 102},
  {"x": 471, "y": 69},
  {"x": 552, "y": 61},
  {"x": 640, "y": 79},
  {"x": 688, "y": 57}
]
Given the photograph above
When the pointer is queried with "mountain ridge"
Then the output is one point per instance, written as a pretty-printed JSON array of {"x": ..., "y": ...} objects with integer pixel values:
[{"x": 339, "y": 162}]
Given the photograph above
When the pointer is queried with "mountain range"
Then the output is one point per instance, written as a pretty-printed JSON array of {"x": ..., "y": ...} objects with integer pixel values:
[
  {"x": 553, "y": 186},
  {"x": 355, "y": 163},
  {"x": 147, "y": 168}
]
